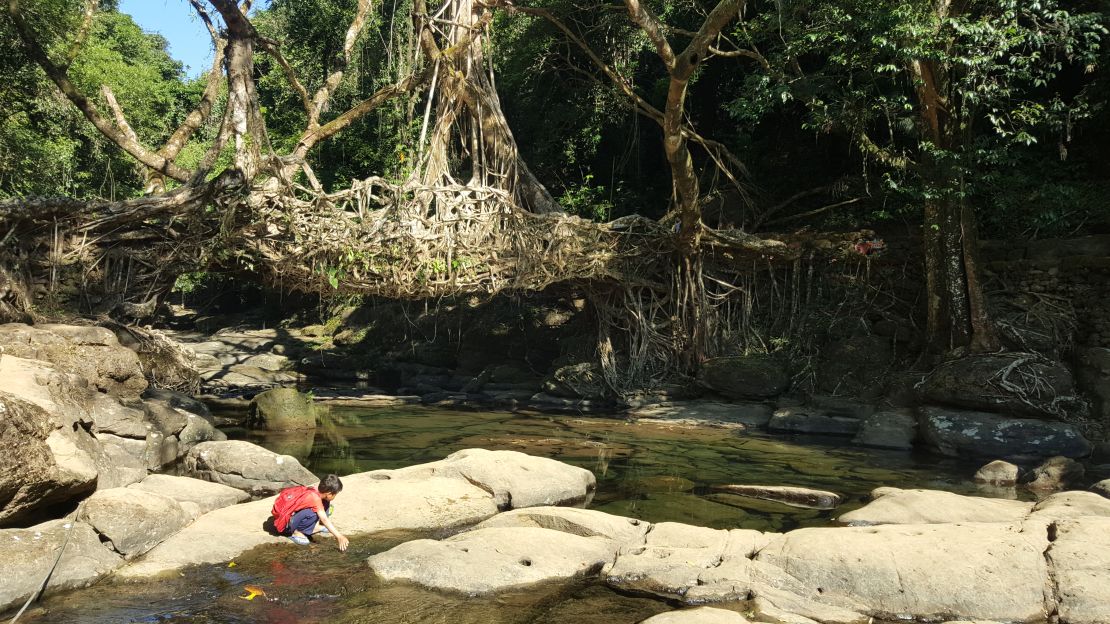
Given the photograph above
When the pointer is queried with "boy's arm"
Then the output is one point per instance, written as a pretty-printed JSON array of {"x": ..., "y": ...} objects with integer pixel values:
[{"x": 326, "y": 521}]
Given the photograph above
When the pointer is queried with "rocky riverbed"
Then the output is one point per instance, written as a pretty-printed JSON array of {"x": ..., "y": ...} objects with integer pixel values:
[{"x": 87, "y": 445}]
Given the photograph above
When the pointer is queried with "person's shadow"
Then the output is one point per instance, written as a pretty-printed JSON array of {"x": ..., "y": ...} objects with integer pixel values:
[{"x": 268, "y": 526}]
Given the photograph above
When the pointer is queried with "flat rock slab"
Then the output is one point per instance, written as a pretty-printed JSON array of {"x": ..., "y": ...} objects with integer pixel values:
[
  {"x": 1071, "y": 504},
  {"x": 897, "y": 506},
  {"x": 894, "y": 429},
  {"x": 1080, "y": 560},
  {"x": 793, "y": 496},
  {"x": 29, "y": 553},
  {"x": 207, "y": 496},
  {"x": 697, "y": 615},
  {"x": 812, "y": 420},
  {"x": 490, "y": 560},
  {"x": 687, "y": 562},
  {"x": 582, "y": 522},
  {"x": 713, "y": 413},
  {"x": 514, "y": 479},
  {"x": 926, "y": 572},
  {"x": 368, "y": 504}
]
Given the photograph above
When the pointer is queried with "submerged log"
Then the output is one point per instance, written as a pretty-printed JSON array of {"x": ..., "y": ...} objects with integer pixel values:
[{"x": 787, "y": 495}]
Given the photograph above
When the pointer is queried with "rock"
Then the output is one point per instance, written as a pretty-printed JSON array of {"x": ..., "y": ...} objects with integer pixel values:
[
  {"x": 812, "y": 420},
  {"x": 110, "y": 416},
  {"x": 134, "y": 521},
  {"x": 490, "y": 560},
  {"x": 998, "y": 472},
  {"x": 780, "y": 605},
  {"x": 697, "y": 615},
  {"x": 245, "y": 466},
  {"x": 712, "y": 413},
  {"x": 577, "y": 381},
  {"x": 895, "y": 429},
  {"x": 283, "y": 409},
  {"x": 793, "y": 496},
  {"x": 582, "y": 522},
  {"x": 1055, "y": 473},
  {"x": 1102, "y": 488},
  {"x": 1073, "y": 504},
  {"x": 976, "y": 434},
  {"x": 514, "y": 479},
  {"x": 177, "y": 400},
  {"x": 921, "y": 572},
  {"x": 165, "y": 419},
  {"x": 92, "y": 353},
  {"x": 119, "y": 467},
  {"x": 29, "y": 553},
  {"x": 1080, "y": 561},
  {"x": 41, "y": 463},
  {"x": 756, "y": 376},
  {"x": 896, "y": 506},
  {"x": 691, "y": 563},
  {"x": 205, "y": 495},
  {"x": 198, "y": 430},
  {"x": 855, "y": 365},
  {"x": 1018, "y": 383},
  {"x": 1092, "y": 375}
]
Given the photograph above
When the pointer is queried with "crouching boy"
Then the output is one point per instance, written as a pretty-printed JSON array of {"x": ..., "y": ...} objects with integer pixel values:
[{"x": 300, "y": 511}]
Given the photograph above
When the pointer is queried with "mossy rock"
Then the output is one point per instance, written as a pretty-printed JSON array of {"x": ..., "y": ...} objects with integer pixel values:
[
  {"x": 756, "y": 376},
  {"x": 284, "y": 409}
]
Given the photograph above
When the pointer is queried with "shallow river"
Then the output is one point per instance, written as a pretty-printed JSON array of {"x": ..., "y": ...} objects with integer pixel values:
[{"x": 656, "y": 472}]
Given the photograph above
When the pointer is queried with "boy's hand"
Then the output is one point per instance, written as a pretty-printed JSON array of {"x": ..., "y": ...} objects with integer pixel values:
[{"x": 343, "y": 542}]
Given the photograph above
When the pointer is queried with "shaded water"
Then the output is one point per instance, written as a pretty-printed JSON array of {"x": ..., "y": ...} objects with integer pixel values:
[{"x": 657, "y": 472}]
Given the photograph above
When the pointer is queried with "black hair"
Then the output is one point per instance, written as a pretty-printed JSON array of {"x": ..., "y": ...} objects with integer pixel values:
[{"x": 330, "y": 485}]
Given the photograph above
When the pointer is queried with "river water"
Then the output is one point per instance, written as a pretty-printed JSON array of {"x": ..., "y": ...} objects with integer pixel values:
[{"x": 653, "y": 471}]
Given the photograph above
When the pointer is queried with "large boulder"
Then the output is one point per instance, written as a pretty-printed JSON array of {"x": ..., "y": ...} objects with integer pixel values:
[
  {"x": 198, "y": 497},
  {"x": 976, "y": 434},
  {"x": 1102, "y": 488},
  {"x": 29, "y": 553},
  {"x": 1092, "y": 375},
  {"x": 1080, "y": 561},
  {"x": 514, "y": 479},
  {"x": 1017, "y": 383},
  {"x": 93, "y": 353},
  {"x": 855, "y": 366},
  {"x": 133, "y": 521},
  {"x": 283, "y": 409},
  {"x": 42, "y": 462},
  {"x": 756, "y": 376},
  {"x": 896, "y": 506},
  {"x": 895, "y": 429},
  {"x": 920, "y": 572},
  {"x": 490, "y": 560},
  {"x": 245, "y": 466}
]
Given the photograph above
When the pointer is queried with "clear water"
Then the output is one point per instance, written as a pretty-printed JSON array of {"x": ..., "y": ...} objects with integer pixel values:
[{"x": 656, "y": 472}]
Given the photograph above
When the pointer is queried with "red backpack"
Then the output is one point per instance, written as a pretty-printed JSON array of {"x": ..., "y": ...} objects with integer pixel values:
[{"x": 289, "y": 501}]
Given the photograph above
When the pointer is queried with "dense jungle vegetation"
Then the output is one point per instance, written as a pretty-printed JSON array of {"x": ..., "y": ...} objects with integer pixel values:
[{"x": 931, "y": 118}]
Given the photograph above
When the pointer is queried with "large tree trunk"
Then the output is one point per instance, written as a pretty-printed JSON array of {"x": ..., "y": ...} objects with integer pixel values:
[{"x": 956, "y": 307}]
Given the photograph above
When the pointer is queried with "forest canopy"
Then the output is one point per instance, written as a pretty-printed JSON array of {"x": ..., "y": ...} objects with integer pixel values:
[{"x": 679, "y": 133}]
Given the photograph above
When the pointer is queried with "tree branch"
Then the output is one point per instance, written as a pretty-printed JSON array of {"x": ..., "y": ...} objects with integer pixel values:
[
  {"x": 332, "y": 82},
  {"x": 82, "y": 32},
  {"x": 60, "y": 78},
  {"x": 653, "y": 28},
  {"x": 271, "y": 47}
]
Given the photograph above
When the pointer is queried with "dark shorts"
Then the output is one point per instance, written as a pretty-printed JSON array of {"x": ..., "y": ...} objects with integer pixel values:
[{"x": 304, "y": 521}]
